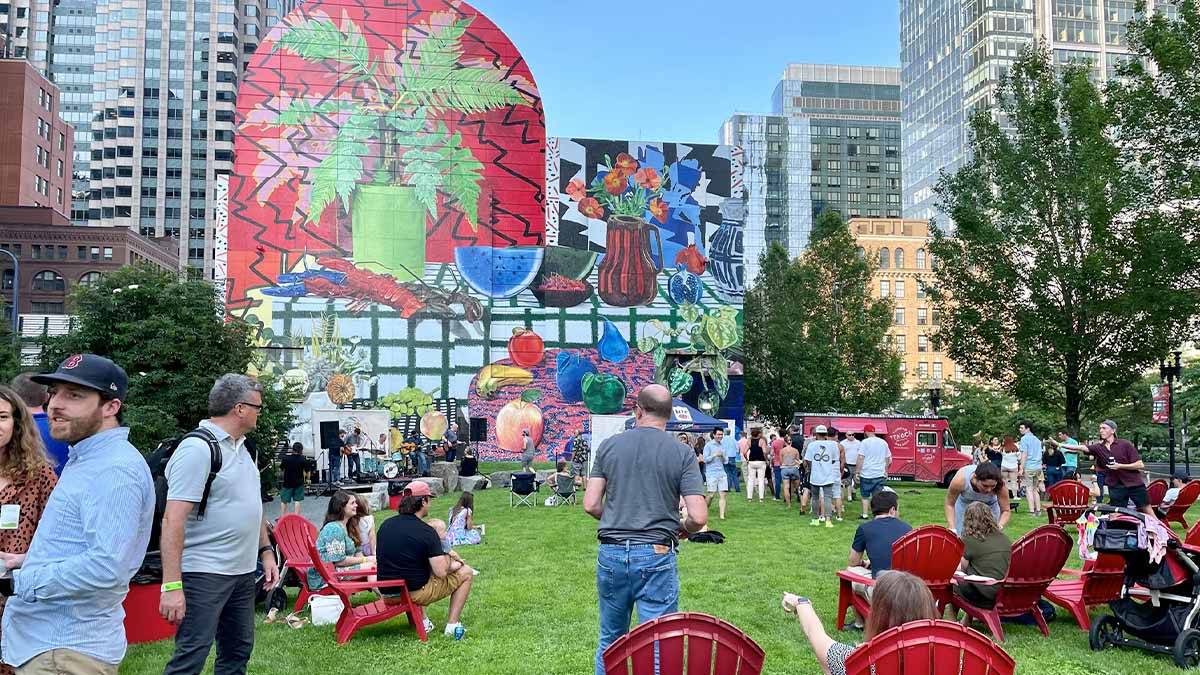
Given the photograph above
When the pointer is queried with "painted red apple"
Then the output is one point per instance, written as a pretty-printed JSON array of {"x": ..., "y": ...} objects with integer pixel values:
[
  {"x": 526, "y": 347},
  {"x": 515, "y": 417}
]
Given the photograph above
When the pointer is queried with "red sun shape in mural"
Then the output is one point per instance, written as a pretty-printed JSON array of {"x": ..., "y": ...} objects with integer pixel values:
[{"x": 388, "y": 133}]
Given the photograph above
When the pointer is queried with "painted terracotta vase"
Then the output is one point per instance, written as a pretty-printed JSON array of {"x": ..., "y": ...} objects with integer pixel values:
[{"x": 628, "y": 276}]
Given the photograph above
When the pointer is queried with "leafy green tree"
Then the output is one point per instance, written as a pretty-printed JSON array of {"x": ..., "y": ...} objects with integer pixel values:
[
  {"x": 814, "y": 335},
  {"x": 170, "y": 337},
  {"x": 974, "y": 409},
  {"x": 1058, "y": 283},
  {"x": 10, "y": 356}
]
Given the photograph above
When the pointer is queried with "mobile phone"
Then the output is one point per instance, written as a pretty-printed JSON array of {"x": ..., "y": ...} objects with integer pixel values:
[{"x": 6, "y": 585}]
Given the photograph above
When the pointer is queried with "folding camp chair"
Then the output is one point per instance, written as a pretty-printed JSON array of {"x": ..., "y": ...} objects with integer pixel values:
[
  {"x": 522, "y": 488},
  {"x": 564, "y": 489}
]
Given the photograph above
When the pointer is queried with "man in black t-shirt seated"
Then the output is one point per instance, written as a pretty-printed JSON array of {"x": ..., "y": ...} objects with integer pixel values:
[
  {"x": 871, "y": 551},
  {"x": 409, "y": 549}
]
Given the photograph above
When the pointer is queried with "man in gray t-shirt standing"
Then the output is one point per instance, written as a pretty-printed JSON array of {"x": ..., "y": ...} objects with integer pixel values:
[
  {"x": 209, "y": 562},
  {"x": 637, "y": 479}
]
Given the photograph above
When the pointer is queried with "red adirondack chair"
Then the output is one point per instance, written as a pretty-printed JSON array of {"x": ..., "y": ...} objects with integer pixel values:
[
  {"x": 293, "y": 533},
  {"x": 1157, "y": 489},
  {"x": 683, "y": 633},
  {"x": 930, "y": 552},
  {"x": 352, "y": 617},
  {"x": 1192, "y": 538},
  {"x": 1187, "y": 496},
  {"x": 930, "y": 647},
  {"x": 1037, "y": 558},
  {"x": 1097, "y": 584},
  {"x": 1068, "y": 500}
]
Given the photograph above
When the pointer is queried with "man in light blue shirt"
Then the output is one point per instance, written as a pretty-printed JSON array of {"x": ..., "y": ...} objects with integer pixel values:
[
  {"x": 715, "y": 478},
  {"x": 65, "y": 613},
  {"x": 733, "y": 457},
  {"x": 1029, "y": 470}
]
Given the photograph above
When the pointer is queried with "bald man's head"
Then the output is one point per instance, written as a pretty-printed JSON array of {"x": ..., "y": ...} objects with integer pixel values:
[{"x": 655, "y": 400}]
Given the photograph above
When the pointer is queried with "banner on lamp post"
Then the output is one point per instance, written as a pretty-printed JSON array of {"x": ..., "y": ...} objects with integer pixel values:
[{"x": 1160, "y": 397}]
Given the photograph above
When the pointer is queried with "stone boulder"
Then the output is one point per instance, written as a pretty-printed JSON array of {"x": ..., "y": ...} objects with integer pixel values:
[
  {"x": 436, "y": 485},
  {"x": 543, "y": 475},
  {"x": 448, "y": 472},
  {"x": 473, "y": 483},
  {"x": 500, "y": 478}
]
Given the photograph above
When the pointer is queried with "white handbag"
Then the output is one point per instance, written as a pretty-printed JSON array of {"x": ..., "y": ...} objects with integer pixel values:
[{"x": 326, "y": 609}]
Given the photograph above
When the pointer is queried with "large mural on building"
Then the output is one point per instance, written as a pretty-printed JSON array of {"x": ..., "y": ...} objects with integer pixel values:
[{"x": 401, "y": 230}]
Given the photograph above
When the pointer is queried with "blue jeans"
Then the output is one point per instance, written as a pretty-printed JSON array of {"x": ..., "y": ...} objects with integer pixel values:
[
  {"x": 1053, "y": 475},
  {"x": 335, "y": 466},
  {"x": 422, "y": 463},
  {"x": 731, "y": 472},
  {"x": 629, "y": 574},
  {"x": 1100, "y": 482},
  {"x": 777, "y": 472}
]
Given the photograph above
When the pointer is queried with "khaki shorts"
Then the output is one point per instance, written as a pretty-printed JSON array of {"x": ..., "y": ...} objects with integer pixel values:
[
  {"x": 1030, "y": 479},
  {"x": 862, "y": 589},
  {"x": 437, "y": 588},
  {"x": 58, "y": 661}
]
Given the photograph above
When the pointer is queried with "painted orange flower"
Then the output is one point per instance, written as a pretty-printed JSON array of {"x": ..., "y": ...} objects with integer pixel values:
[
  {"x": 576, "y": 190},
  {"x": 659, "y": 209},
  {"x": 648, "y": 178},
  {"x": 615, "y": 182},
  {"x": 625, "y": 164},
  {"x": 591, "y": 208}
]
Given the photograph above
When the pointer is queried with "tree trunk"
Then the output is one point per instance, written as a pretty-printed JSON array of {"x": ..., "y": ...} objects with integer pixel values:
[{"x": 1073, "y": 401}]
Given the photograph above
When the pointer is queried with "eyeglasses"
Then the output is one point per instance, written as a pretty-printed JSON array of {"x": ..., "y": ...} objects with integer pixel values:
[{"x": 256, "y": 406}]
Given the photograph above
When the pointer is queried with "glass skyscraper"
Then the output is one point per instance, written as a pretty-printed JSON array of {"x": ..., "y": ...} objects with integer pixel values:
[
  {"x": 165, "y": 82},
  {"x": 831, "y": 142},
  {"x": 71, "y": 57},
  {"x": 954, "y": 52}
]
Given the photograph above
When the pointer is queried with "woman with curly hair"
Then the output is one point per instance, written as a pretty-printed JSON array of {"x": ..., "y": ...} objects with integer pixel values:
[
  {"x": 986, "y": 553},
  {"x": 26, "y": 479}
]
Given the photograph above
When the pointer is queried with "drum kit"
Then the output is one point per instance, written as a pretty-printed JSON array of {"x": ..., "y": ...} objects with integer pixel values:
[{"x": 401, "y": 462}]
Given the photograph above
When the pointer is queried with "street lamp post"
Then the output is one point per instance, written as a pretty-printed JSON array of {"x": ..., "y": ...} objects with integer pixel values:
[
  {"x": 1171, "y": 372},
  {"x": 935, "y": 396},
  {"x": 16, "y": 312}
]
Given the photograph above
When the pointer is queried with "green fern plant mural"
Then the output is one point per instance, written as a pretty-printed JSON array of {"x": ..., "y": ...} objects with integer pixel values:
[{"x": 401, "y": 115}]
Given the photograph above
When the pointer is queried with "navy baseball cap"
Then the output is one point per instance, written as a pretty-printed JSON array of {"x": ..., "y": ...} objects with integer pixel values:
[{"x": 91, "y": 371}]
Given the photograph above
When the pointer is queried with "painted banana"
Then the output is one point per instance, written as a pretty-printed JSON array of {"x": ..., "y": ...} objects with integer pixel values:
[{"x": 494, "y": 376}]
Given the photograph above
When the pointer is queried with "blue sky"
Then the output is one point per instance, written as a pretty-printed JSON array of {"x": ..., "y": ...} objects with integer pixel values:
[{"x": 673, "y": 70}]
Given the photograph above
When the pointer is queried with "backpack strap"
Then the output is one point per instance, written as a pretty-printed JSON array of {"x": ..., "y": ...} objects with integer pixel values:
[{"x": 214, "y": 464}]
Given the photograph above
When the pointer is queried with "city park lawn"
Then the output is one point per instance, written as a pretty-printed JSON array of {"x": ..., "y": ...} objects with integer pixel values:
[{"x": 533, "y": 610}]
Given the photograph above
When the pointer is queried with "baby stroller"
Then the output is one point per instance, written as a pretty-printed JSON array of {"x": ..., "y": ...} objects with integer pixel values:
[{"x": 1160, "y": 599}]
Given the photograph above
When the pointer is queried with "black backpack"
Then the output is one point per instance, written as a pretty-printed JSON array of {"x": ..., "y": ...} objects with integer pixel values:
[{"x": 158, "y": 471}]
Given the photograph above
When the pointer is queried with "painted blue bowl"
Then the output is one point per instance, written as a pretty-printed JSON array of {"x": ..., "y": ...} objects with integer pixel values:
[{"x": 498, "y": 272}]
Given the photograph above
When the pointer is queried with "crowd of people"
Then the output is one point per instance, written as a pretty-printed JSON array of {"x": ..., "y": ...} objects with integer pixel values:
[
  {"x": 827, "y": 469},
  {"x": 84, "y": 501}
]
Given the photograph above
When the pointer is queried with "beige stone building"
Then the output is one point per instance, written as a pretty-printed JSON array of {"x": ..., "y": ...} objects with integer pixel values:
[{"x": 905, "y": 267}]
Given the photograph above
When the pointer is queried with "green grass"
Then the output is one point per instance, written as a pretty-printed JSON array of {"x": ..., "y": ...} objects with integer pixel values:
[{"x": 533, "y": 606}]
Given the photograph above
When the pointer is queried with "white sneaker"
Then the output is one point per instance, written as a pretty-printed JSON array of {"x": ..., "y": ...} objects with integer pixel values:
[{"x": 428, "y": 625}]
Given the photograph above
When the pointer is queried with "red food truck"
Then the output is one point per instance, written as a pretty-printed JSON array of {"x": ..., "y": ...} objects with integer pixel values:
[{"x": 922, "y": 447}]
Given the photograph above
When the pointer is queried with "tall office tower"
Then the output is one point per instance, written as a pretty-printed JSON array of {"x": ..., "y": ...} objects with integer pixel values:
[
  {"x": 954, "y": 52},
  {"x": 72, "y": 52},
  {"x": 776, "y": 170},
  {"x": 831, "y": 142},
  {"x": 25, "y": 27},
  {"x": 164, "y": 89}
]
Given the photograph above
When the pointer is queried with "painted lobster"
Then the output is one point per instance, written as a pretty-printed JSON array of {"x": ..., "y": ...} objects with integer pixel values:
[{"x": 341, "y": 279}]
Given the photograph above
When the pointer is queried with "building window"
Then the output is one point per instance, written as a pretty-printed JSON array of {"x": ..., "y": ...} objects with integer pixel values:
[
  {"x": 920, "y": 258},
  {"x": 898, "y": 319},
  {"x": 48, "y": 307},
  {"x": 884, "y": 288},
  {"x": 108, "y": 253},
  {"x": 94, "y": 251},
  {"x": 885, "y": 258},
  {"x": 958, "y": 372},
  {"x": 899, "y": 342},
  {"x": 91, "y": 279},
  {"x": 922, "y": 316},
  {"x": 6, "y": 282},
  {"x": 860, "y": 252},
  {"x": 920, "y": 291},
  {"x": 923, "y": 370},
  {"x": 937, "y": 370},
  {"x": 937, "y": 317},
  {"x": 49, "y": 280},
  {"x": 899, "y": 288},
  {"x": 922, "y": 343},
  {"x": 899, "y": 256}
]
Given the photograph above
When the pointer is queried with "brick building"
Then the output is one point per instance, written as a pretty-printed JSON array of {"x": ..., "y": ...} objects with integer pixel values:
[
  {"x": 56, "y": 255},
  {"x": 905, "y": 269},
  {"x": 35, "y": 166}
]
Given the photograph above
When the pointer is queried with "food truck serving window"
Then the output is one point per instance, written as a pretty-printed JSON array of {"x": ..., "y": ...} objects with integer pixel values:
[{"x": 926, "y": 438}]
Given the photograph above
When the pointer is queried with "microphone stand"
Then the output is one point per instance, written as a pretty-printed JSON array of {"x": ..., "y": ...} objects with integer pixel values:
[{"x": 329, "y": 487}]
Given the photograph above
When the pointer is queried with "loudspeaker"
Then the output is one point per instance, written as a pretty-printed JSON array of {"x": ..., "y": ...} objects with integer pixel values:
[
  {"x": 478, "y": 429},
  {"x": 329, "y": 433}
]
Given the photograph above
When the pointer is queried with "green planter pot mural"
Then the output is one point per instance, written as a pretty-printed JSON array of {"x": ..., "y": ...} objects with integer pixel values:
[{"x": 389, "y": 231}]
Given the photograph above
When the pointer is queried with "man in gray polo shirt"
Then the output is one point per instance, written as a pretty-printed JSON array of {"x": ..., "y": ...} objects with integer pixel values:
[
  {"x": 209, "y": 562},
  {"x": 636, "y": 482}
]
